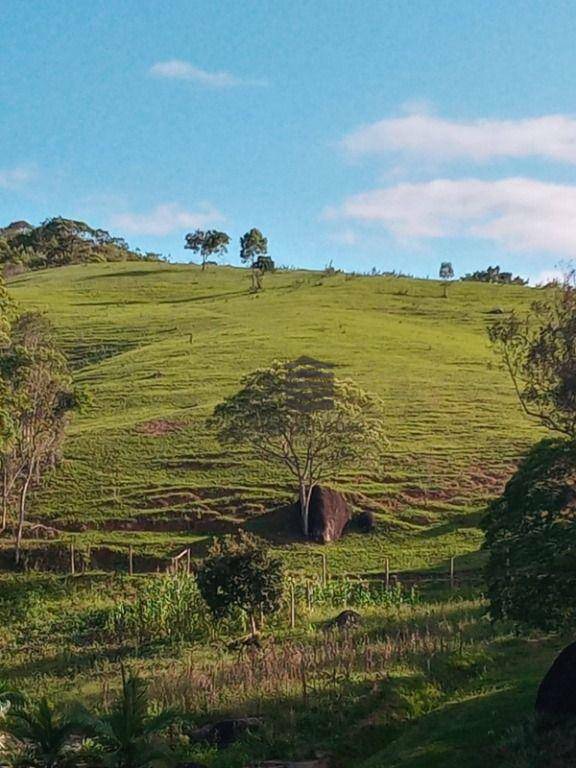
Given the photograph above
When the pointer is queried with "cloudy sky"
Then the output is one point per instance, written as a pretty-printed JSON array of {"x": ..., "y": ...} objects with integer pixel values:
[{"x": 386, "y": 133}]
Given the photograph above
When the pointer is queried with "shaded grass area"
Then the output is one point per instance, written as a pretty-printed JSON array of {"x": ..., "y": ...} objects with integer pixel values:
[{"x": 159, "y": 346}]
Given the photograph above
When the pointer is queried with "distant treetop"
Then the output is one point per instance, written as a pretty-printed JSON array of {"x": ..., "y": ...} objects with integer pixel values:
[
  {"x": 58, "y": 242},
  {"x": 495, "y": 275}
]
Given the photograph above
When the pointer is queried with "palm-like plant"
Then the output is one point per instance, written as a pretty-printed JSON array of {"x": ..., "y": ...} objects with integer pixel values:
[
  {"x": 127, "y": 732},
  {"x": 41, "y": 735},
  {"x": 8, "y": 696}
]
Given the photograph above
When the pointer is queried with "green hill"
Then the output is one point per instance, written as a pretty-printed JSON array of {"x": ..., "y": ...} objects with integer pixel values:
[{"x": 159, "y": 345}]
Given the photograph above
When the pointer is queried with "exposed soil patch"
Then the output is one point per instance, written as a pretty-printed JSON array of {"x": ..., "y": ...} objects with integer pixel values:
[{"x": 160, "y": 427}]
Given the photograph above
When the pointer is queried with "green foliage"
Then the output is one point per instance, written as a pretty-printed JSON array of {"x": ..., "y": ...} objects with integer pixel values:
[
  {"x": 531, "y": 541},
  {"x": 58, "y": 242},
  {"x": 41, "y": 735},
  {"x": 494, "y": 275},
  {"x": 540, "y": 354},
  {"x": 446, "y": 271},
  {"x": 241, "y": 573},
  {"x": 210, "y": 244},
  {"x": 128, "y": 733},
  {"x": 356, "y": 593},
  {"x": 253, "y": 245},
  {"x": 38, "y": 396},
  {"x": 166, "y": 609}
]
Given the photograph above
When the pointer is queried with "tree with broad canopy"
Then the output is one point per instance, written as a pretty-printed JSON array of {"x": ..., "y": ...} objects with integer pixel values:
[{"x": 298, "y": 415}]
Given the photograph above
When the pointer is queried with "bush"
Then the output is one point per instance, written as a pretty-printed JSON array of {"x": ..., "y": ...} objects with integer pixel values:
[
  {"x": 531, "y": 541},
  {"x": 240, "y": 573}
]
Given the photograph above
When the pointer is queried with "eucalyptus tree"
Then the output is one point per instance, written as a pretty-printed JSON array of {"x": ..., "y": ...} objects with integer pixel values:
[
  {"x": 254, "y": 253},
  {"x": 210, "y": 244}
]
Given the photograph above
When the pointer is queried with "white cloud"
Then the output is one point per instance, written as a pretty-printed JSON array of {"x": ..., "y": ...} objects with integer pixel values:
[
  {"x": 518, "y": 213},
  {"x": 424, "y": 135},
  {"x": 176, "y": 69},
  {"x": 13, "y": 178},
  {"x": 165, "y": 219},
  {"x": 549, "y": 276}
]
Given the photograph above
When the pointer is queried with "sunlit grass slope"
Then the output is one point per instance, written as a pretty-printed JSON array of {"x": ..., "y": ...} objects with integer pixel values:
[{"x": 159, "y": 345}]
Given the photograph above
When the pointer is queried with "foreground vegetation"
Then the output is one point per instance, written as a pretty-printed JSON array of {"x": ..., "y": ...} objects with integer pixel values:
[{"x": 424, "y": 680}]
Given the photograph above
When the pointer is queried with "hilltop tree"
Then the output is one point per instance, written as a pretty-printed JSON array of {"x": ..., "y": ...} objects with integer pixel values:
[
  {"x": 240, "y": 572},
  {"x": 539, "y": 351},
  {"x": 254, "y": 253},
  {"x": 494, "y": 275},
  {"x": 38, "y": 397},
  {"x": 210, "y": 244},
  {"x": 299, "y": 416},
  {"x": 446, "y": 273}
]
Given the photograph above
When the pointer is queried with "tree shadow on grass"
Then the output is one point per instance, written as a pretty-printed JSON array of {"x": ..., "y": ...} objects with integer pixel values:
[{"x": 279, "y": 526}]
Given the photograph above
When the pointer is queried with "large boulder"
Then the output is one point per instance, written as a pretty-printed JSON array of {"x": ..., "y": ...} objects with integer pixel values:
[
  {"x": 556, "y": 698},
  {"x": 328, "y": 515}
]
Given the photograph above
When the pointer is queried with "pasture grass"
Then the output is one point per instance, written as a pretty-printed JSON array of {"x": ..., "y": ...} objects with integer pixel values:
[{"x": 159, "y": 345}]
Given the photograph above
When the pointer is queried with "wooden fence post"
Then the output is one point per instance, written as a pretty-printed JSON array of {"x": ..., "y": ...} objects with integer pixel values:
[
  {"x": 131, "y": 560},
  {"x": 72, "y": 560}
]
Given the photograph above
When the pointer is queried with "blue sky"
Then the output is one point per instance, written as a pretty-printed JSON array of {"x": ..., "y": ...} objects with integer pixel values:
[{"x": 393, "y": 134}]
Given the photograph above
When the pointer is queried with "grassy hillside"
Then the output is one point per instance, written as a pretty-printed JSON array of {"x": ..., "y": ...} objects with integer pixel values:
[{"x": 159, "y": 345}]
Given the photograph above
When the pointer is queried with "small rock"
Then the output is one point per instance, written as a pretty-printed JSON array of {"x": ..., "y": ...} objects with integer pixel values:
[
  {"x": 225, "y": 732},
  {"x": 345, "y": 620}
]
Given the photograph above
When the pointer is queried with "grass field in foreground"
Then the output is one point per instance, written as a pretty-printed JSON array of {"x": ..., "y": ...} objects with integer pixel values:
[{"x": 159, "y": 345}]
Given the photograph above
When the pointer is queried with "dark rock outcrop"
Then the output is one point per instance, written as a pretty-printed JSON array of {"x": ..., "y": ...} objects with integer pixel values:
[
  {"x": 328, "y": 515},
  {"x": 346, "y": 620},
  {"x": 365, "y": 521},
  {"x": 556, "y": 698}
]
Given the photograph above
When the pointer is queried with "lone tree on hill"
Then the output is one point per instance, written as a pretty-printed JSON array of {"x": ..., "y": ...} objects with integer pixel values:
[
  {"x": 210, "y": 244},
  {"x": 446, "y": 273},
  {"x": 299, "y": 416},
  {"x": 539, "y": 351},
  {"x": 254, "y": 253},
  {"x": 240, "y": 572}
]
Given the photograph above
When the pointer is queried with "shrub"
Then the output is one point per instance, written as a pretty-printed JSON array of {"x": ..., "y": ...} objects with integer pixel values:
[
  {"x": 531, "y": 540},
  {"x": 241, "y": 573}
]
